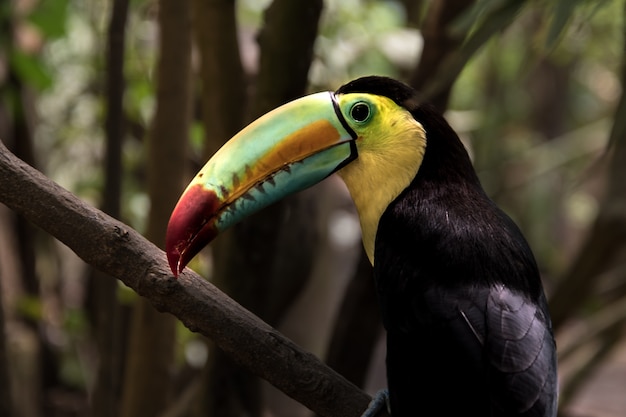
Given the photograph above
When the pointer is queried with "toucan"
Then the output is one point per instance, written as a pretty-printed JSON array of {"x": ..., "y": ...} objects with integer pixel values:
[{"x": 461, "y": 299}]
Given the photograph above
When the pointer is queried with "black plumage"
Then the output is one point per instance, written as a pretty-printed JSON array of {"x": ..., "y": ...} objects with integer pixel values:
[{"x": 468, "y": 330}]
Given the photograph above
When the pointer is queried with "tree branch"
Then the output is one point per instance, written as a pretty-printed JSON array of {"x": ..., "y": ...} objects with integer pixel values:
[
  {"x": 439, "y": 45},
  {"x": 120, "y": 251}
]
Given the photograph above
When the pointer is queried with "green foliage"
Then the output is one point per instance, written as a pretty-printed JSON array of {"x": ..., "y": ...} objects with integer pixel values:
[
  {"x": 535, "y": 173},
  {"x": 360, "y": 37},
  {"x": 30, "y": 307},
  {"x": 30, "y": 69},
  {"x": 476, "y": 27},
  {"x": 50, "y": 17},
  {"x": 563, "y": 12},
  {"x": 486, "y": 13},
  {"x": 72, "y": 367}
]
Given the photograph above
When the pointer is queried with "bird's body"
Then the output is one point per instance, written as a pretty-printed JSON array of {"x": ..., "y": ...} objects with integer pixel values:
[
  {"x": 467, "y": 324},
  {"x": 468, "y": 329}
]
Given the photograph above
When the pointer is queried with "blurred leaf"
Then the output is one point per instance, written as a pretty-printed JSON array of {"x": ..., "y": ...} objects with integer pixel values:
[
  {"x": 563, "y": 12},
  {"x": 30, "y": 69},
  {"x": 30, "y": 307},
  {"x": 500, "y": 14},
  {"x": 72, "y": 372},
  {"x": 75, "y": 323},
  {"x": 50, "y": 17},
  {"x": 197, "y": 137},
  {"x": 126, "y": 296},
  {"x": 477, "y": 13},
  {"x": 495, "y": 21}
]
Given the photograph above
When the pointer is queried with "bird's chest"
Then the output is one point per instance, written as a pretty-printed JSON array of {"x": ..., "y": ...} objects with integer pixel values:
[{"x": 411, "y": 306}]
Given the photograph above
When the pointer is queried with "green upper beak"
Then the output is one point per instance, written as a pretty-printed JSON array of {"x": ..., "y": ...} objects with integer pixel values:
[{"x": 289, "y": 149}]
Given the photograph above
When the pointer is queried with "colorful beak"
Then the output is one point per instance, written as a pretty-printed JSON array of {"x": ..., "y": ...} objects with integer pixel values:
[{"x": 289, "y": 149}]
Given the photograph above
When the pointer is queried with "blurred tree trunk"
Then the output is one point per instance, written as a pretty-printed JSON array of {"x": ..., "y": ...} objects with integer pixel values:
[
  {"x": 106, "y": 309},
  {"x": 357, "y": 327},
  {"x": 221, "y": 73},
  {"x": 6, "y": 408},
  {"x": 16, "y": 130},
  {"x": 548, "y": 86},
  {"x": 264, "y": 246},
  {"x": 286, "y": 41},
  {"x": 148, "y": 381},
  {"x": 30, "y": 382},
  {"x": 439, "y": 45},
  {"x": 414, "y": 12},
  {"x": 22, "y": 146}
]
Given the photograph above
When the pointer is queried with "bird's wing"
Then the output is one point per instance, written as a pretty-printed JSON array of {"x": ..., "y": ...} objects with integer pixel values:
[{"x": 517, "y": 347}]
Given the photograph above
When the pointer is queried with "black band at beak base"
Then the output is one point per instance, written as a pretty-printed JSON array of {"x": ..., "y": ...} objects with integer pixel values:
[{"x": 353, "y": 149}]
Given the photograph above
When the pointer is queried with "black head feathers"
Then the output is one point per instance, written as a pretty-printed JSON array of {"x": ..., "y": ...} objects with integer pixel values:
[
  {"x": 397, "y": 91},
  {"x": 445, "y": 156}
]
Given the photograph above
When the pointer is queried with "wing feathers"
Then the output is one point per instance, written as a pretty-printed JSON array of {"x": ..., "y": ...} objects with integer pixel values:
[{"x": 518, "y": 347}]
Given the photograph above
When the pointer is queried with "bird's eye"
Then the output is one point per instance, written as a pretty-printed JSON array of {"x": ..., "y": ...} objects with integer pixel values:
[{"x": 360, "y": 112}]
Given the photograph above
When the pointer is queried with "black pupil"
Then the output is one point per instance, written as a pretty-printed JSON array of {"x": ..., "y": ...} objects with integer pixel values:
[{"x": 360, "y": 112}]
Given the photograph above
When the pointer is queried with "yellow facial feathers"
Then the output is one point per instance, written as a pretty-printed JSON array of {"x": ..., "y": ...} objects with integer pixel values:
[{"x": 391, "y": 145}]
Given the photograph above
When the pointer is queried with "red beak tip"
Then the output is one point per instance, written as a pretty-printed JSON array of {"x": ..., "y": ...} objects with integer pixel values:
[
  {"x": 188, "y": 230},
  {"x": 173, "y": 261}
]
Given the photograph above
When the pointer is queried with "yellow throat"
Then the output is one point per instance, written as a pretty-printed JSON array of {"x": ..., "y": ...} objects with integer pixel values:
[{"x": 391, "y": 148}]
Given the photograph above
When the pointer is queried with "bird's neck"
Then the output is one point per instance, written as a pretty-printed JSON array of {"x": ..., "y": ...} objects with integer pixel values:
[
  {"x": 446, "y": 233},
  {"x": 375, "y": 179}
]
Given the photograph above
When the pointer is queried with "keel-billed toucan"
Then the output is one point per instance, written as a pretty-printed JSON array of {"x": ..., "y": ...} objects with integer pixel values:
[{"x": 468, "y": 330}]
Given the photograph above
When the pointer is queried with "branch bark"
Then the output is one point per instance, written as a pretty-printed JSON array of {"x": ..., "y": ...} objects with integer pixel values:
[{"x": 121, "y": 252}]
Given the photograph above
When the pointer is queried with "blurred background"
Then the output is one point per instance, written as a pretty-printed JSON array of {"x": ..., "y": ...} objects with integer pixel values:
[{"x": 122, "y": 101}]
